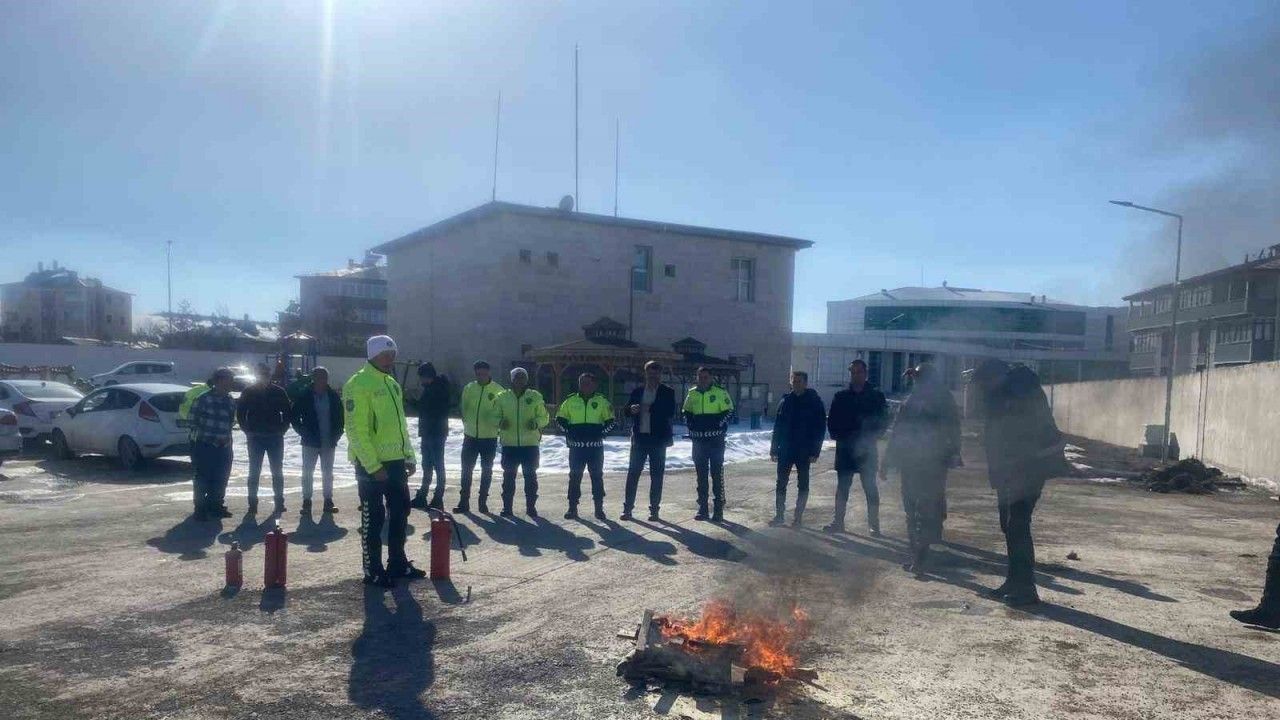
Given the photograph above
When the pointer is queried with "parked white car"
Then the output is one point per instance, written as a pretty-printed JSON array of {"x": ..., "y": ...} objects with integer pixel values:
[
  {"x": 10, "y": 439},
  {"x": 137, "y": 371},
  {"x": 35, "y": 402},
  {"x": 131, "y": 422}
]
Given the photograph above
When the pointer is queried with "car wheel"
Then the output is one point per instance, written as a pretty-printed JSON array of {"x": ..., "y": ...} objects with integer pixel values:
[
  {"x": 61, "y": 449},
  {"x": 130, "y": 455}
]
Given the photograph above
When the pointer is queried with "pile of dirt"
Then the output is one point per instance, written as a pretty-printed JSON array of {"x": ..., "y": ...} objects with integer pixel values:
[{"x": 1188, "y": 476}]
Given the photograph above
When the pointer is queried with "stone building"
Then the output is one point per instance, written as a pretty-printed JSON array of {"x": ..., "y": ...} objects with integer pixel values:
[
  {"x": 500, "y": 280},
  {"x": 56, "y": 303},
  {"x": 341, "y": 308}
]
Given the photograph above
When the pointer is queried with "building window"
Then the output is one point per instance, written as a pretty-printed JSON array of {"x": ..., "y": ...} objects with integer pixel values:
[
  {"x": 642, "y": 269},
  {"x": 1237, "y": 289},
  {"x": 1264, "y": 329},
  {"x": 1195, "y": 297},
  {"x": 669, "y": 270},
  {"x": 1111, "y": 331},
  {"x": 371, "y": 316},
  {"x": 108, "y": 319},
  {"x": 526, "y": 256},
  {"x": 1146, "y": 342},
  {"x": 744, "y": 279},
  {"x": 1233, "y": 333},
  {"x": 553, "y": 259},
  {"x": 873, "y": 368},
  {"x": 375, "y": 291},
  {"x": 1163, "y": 304}
]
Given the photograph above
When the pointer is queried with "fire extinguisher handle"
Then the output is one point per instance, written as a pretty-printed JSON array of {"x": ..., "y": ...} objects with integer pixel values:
[{"x": 458, "y": 533}]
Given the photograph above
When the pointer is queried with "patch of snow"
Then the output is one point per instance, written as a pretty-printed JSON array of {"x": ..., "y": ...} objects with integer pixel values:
[{"x": 741, "y": 445}]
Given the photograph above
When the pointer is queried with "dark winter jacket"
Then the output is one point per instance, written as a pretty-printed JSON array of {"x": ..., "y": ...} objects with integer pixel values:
[
  {"x": 1024, "y": 446},
  {"x": 433, "y": 408},
  {"x": 926, "y": 432},
  {"x": 305, "y": 422},
  {"x": 856, "y": 421},
  {"x": 263, "y": 409},
  {"x": 800, "y": 426},
  {"x": 660, "y": 416}
]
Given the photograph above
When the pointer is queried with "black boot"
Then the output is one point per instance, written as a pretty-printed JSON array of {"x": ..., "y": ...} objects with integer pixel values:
[
  {"x": 802, "y": 500},
  {"x": 873, "y": 519},
  {"x": 1267, "y": 613},
  {"x": 329, "y": 507},
  {"x": 419, "y": 501},
  {"x": 571, "y": 513},
  {"x": 779, "y": 508},
  {"x": 717, "y": 512},
  {"x": 483, "y": 506},
  {"x": 437, "y": 503},
  {"x": 702, "y": 512},
  {"x": 600, "y": 511}
]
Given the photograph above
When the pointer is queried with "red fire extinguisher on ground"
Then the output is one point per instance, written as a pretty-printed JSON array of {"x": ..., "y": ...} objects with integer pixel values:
[
  {"x": 277, "y": 557},
  {"x": 235, "y": 566},
  {"x": 441, "y": 539}
]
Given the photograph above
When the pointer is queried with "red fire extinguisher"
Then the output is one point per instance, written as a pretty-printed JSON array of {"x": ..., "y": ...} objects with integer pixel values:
[
  {"x": 235, "y": 566},
  {"x": 441, "y": 538},
  {"x": 277, "y": 556}
]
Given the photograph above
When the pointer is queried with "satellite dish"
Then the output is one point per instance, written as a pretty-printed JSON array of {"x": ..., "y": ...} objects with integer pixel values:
[{"x": 566, "y": 203}]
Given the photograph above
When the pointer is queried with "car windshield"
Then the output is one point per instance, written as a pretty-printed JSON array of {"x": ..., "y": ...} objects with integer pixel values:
[
  {"x": 41, "y": 390},
  {"x": 166, "y": 402}
]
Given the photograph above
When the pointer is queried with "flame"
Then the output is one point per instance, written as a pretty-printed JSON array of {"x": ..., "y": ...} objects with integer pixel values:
[{"x": 767, "y": 642}]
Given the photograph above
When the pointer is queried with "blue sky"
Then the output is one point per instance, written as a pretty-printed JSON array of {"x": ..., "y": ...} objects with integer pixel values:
[{"x": 972, "y": 142}]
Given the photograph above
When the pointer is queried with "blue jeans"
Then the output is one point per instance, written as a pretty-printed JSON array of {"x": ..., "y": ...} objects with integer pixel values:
[{"x": 433, "y": 459}]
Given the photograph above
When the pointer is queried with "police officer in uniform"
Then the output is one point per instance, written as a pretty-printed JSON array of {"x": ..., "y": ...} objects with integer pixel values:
[
  {"x": 521, "y": 413},
  {"x": 707, "y": 409},
  {"x": 479, "y": 407},
  {"x": 379, "y": 447},
  {"x": 586, "y": 418}
]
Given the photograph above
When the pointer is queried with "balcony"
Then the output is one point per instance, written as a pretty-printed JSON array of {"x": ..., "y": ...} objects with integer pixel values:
[
  {"x": 1204, "y": 312},
  {"x": 1143, "y": 361}
]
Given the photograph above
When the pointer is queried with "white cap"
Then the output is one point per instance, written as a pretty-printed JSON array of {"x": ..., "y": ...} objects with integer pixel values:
[
  {"x": 518, "y": 371},
  {"x": 379, "y": 344}
]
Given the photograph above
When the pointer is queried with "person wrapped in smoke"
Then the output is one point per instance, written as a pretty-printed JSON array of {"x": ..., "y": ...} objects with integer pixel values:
[
  {"x": 1024, "y": 449},
  {"x": 925, "y": 442}
]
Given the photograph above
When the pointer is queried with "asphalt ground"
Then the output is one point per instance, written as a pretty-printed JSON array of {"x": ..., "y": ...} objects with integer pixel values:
[{"x": 112, "y": 606}]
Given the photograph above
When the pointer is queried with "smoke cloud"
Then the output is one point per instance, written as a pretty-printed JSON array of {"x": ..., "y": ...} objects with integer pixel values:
[{"x": 1227, "y": 120}]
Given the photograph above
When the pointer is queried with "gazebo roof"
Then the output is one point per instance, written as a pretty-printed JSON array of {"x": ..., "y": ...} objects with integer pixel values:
[{"x": 604, "y": 339}]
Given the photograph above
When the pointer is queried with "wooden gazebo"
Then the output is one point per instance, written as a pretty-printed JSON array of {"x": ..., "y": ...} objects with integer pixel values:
[{"x": 604, "y": 350}]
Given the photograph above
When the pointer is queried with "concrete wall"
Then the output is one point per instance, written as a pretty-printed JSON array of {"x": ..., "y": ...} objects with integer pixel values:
[
  {"x": 192, "y": 365},
  {"x": 467, "y": 295},
  {"x": 1227, "y": 416}
]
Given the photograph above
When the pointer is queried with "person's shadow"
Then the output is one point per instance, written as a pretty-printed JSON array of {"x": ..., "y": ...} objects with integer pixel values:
[
  {"x": 531, "y": 538},
  {"x": 249, "y": 532},
  {"x": 391, "y": 660},
  {"x": 188, "y": 539},
  {"x": 1068, "y": 573},
  {"x": 1250, "y": 673},
  {"x": 697, "y": 543},
  {"x": 618, "y": 537},
  {"x": 316, "y": 536}
]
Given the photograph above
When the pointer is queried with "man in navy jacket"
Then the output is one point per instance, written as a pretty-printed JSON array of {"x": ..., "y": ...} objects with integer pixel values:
[{"x": 798, "y": 431}]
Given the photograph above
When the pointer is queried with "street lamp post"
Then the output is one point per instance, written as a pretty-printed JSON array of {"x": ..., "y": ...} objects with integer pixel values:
[
  {"x": 884, "y": 360},
  {"x": 1173, "y": 322}
]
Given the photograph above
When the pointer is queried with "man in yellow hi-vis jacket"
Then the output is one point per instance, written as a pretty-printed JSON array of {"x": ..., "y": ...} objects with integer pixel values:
[
  {"x": 379, "y": 446},
  {"x": 521, "y": 415}
]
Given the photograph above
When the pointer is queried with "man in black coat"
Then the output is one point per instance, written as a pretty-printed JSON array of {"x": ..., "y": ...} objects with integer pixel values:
[
  {"x": 318, "y": 418},
  {"x": 263, "y": 412},
  {"x": 798, "y": 431},
  {"x": 1267, "y": 613},
  {"x": 433, "y": 428},
  {"x": 651, "y": 407},
  {"x": 1024, "y": 449},
  {"x": 856, "y": 421}
]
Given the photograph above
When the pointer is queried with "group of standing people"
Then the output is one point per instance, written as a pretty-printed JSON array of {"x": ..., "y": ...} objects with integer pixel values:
[
  {"x": 265, "y": 411},
  {"x": 506, "y": 424},
  {"x": 1023, "y": 448}
]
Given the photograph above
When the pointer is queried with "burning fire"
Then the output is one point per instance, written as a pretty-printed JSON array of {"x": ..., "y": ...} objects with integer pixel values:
[{"x": 766, "y": 642}]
